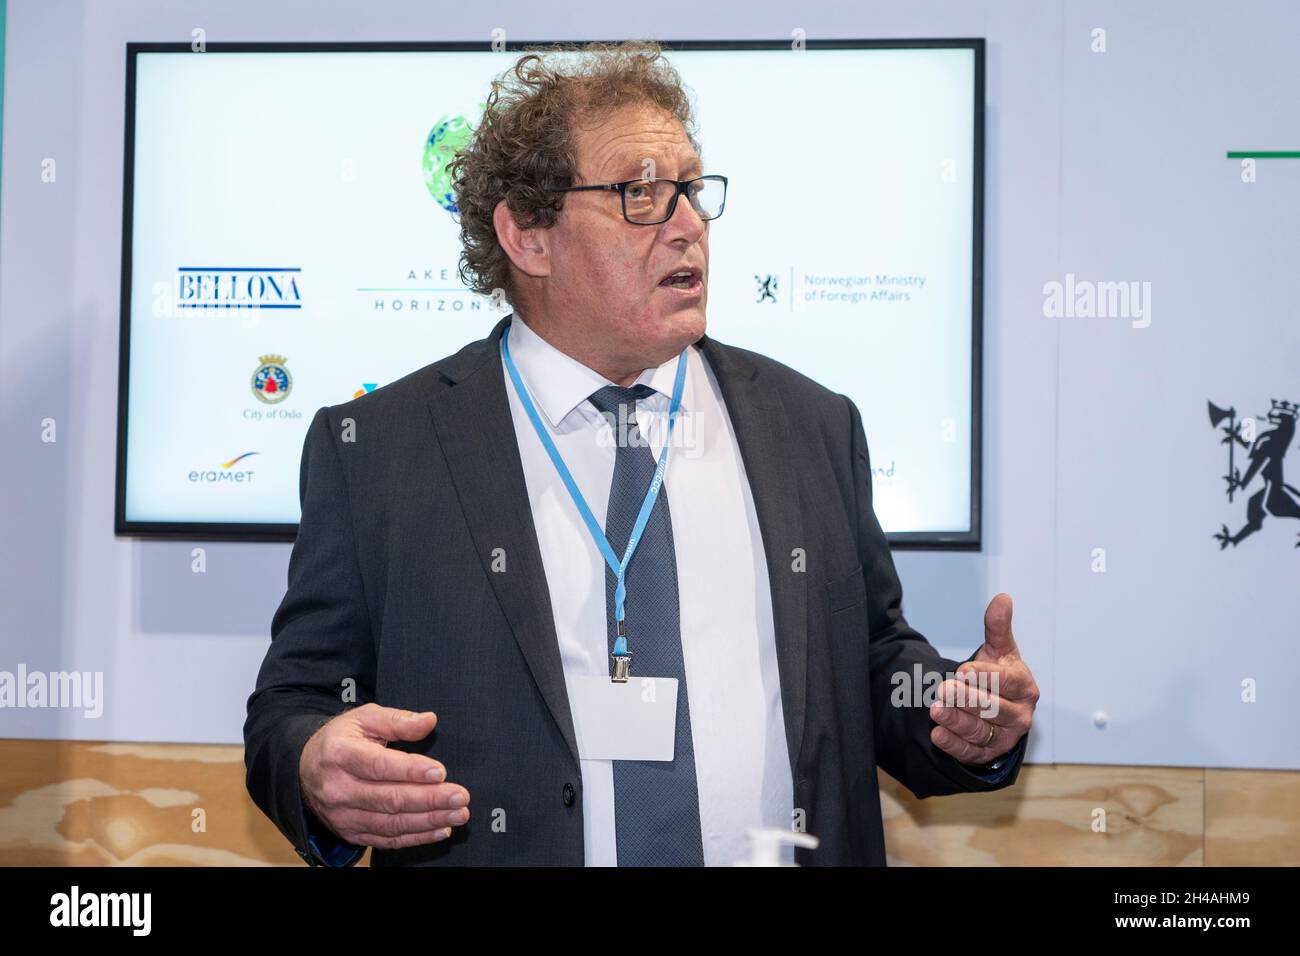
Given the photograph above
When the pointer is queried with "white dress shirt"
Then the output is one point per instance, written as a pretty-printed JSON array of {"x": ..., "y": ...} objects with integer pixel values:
[{"x": 742, "y": 762}]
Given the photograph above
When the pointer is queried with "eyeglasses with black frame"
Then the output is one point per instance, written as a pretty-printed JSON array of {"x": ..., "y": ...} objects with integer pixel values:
[{"x": 648, "y": 202}]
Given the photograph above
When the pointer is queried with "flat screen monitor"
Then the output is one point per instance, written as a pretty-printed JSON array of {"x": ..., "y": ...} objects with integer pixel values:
[{"x": 290, "y": 241}]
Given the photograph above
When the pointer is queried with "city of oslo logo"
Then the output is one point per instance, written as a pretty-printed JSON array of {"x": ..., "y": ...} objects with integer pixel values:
[
  {"x": 271, "y": 381},
  {"x": 1264, "y": 454},
  {"x": 766, "y": 289}
]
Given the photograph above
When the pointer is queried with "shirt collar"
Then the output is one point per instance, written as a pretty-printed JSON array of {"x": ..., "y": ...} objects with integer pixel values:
[{"x": 559, "y": 383}]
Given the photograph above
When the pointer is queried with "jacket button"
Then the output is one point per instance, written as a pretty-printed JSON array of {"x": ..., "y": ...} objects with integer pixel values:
[{"x": 568, "y": 794}]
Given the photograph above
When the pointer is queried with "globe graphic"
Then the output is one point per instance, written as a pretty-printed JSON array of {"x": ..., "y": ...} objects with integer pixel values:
[{"x": 448, "y": 136}]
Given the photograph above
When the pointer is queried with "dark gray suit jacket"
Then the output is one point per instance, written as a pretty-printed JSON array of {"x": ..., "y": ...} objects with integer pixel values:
[{"x": 390, "y": 585}]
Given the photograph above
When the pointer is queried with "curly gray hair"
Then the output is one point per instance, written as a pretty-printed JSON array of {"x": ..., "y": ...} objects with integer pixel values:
[{"x": 525, "y": 142}]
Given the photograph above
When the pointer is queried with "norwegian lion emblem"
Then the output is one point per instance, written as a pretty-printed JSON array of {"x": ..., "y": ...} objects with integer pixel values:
[{"x": 1265, "y": 453}]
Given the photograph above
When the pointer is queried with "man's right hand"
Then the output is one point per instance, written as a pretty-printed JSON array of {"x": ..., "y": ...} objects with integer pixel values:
[{"x": 373, "y": 796}]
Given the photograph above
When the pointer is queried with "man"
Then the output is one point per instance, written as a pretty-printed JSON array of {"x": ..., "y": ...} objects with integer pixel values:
[{"x": 455, "y": 611}]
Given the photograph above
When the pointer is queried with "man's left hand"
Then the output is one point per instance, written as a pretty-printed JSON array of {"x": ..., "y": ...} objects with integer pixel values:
[{"x": 989, "y": 706}]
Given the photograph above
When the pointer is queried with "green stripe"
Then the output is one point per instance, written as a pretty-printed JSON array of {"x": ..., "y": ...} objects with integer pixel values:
[{"x": 1264, "y": 154}]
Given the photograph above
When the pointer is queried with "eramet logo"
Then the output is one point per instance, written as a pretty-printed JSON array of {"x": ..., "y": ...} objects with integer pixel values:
[{"x": 226, "y": 473}]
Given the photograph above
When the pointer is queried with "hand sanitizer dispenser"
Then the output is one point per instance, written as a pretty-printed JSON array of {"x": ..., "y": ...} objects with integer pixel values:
[{"x": 765, "y": 846}]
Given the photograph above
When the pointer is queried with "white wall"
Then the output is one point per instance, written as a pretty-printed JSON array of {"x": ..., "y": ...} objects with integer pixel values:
[{"x": 1110, "y": 166}]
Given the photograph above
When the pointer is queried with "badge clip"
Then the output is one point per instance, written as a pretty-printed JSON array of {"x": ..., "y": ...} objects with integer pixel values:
[
  {"x": 622, "y": 668},
  {"x": 622, "y": 657}
]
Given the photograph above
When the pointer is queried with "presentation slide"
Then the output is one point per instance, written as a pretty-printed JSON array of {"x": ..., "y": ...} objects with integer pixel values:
[{"x": 292, "y": 242}]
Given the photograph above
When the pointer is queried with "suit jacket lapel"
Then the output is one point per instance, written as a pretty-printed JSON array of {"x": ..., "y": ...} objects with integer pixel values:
[
  {"x": 477, "y": 435},
  {"x": 763, "y": 433}
]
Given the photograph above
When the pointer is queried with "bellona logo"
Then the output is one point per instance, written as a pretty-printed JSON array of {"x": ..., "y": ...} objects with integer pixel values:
[{"x": 238, "y": 287}]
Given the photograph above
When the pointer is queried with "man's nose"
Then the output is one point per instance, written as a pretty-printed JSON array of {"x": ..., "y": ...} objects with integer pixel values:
[{"x": 689, "y": 223}]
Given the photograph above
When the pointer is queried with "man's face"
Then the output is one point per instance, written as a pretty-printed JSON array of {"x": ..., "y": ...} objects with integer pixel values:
[{"x": 606, "y": 272}]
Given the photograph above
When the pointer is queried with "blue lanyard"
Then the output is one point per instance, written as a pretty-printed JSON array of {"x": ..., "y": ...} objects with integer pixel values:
[{"x": 597, "y": 533}]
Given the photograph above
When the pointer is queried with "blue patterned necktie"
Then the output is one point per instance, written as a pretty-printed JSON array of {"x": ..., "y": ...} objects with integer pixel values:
[{"x": 656, "y": 803}]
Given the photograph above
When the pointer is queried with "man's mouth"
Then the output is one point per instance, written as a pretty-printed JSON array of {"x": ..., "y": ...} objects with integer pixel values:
[{"x": 685, "y": 279}]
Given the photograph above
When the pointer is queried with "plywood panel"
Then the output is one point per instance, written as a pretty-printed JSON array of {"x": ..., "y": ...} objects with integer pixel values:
[
  {"x": 88, "y": 804},
  {"x": 97, "y": 804},
  {"x": 1252, "y": 818},
  {"x": 1153, "y": 817}
]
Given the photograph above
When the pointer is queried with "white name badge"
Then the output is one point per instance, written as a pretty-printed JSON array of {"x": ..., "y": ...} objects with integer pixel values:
[{"x": 632, "y": 721}]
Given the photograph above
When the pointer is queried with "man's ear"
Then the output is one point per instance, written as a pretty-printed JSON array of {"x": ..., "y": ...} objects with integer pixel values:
[{"x": 528, "y": 249}]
